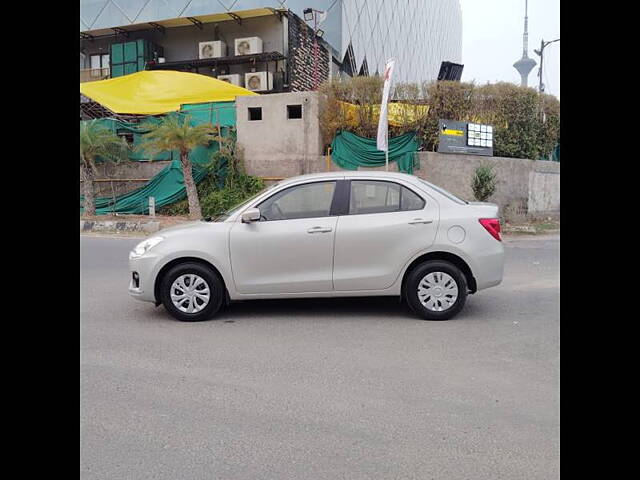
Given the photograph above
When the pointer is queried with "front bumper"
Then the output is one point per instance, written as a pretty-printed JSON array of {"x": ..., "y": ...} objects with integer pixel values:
[{"x": 146, "y": 269}]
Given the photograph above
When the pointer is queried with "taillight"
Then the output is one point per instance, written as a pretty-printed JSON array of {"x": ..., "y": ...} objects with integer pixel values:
[{"x": 492, "y": 225}]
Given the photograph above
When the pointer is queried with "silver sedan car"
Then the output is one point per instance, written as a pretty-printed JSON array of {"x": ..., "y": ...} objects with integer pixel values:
[{"x": 335, "y": 234}]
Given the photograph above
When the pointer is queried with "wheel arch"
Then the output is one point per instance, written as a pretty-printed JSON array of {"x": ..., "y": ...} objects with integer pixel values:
[
  {"x": 446, "y": 256},
  {"x": 187, "y": 259}
]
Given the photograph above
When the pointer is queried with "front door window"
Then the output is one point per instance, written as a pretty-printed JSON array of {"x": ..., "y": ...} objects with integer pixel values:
[{"x": 302, "y": 201}]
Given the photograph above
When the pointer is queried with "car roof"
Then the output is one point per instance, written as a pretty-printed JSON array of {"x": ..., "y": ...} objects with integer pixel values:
[{"x": 350, "y": 174}]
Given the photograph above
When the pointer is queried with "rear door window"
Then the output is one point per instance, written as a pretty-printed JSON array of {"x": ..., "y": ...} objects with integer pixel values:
[{"x": 371, "y": 196}]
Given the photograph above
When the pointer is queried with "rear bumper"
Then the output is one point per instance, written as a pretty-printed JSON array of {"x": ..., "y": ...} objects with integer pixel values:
[{"x": 489, "y": 267}]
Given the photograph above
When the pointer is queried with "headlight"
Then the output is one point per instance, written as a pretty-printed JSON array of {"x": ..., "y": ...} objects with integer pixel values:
[{"x": 144, "y": 246}]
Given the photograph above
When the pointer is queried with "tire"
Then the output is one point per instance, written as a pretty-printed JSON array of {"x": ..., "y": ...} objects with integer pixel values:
[
  {"x": 178, "y": 280},
  {"x": 431, "y": 275}
]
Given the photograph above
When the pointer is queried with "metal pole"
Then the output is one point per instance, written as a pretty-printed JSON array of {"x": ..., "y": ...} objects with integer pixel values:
[
  {"x": 540, "y": 52},
  {"x": 540, "y": 85}
]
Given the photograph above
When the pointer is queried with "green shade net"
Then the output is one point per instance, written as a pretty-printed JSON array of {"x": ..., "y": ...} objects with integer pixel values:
[
  {"x": 350, "y": 151},
  {"x": 216, "y": 113},
  {"x": 167, "y": 186}
]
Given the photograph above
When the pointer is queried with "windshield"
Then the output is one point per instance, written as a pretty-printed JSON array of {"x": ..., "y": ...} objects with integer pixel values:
[
  {"x": 223, "y": 216},
  {"x": 449, "y": 195}
]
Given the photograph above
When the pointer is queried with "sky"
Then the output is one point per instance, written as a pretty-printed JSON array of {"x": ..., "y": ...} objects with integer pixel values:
[{"x": 492, "y": 41}]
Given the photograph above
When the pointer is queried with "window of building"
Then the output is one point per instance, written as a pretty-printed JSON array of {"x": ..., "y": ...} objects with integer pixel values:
[
  {"x": 369, "y": 196},
  {"x": 302, "y": 201},
  {"x": 294, "y": 111},
  {"x": 99, "y": 64},
  {"x": 255, "y": 113}
]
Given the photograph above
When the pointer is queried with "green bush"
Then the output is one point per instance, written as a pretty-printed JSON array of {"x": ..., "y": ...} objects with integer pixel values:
[
  {"x": 215, "y": 200},
  {"x": 484, "y": 183}
]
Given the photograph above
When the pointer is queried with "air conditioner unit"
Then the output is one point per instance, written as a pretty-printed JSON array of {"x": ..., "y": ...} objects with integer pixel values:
[
  {"x": 212, "y": 49},
  {"x": 258, "y": 81},
  {"x": 248, "y": 46},
  {"x": 234, "y": 78}
]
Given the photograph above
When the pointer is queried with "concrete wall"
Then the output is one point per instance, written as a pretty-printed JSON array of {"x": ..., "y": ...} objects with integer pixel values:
[
  {"x": 544, "y": 192},
  {"x": 519, "y": 180},
  {"x": 277, "y": 146},
  {"x": 455, "y": 172}
]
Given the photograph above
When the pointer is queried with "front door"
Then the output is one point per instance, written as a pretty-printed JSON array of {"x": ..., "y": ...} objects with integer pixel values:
[
  {"x": 290, "y": 250},
  {"x": 387, "y": 223}
]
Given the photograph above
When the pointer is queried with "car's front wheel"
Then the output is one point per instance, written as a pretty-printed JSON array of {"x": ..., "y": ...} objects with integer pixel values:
[
  {"x": 191, "y": 292},
  {"x": 436, "y": 290}
]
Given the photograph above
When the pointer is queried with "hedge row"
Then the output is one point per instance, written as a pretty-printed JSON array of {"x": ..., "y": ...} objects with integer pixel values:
[{"x": 526, "y": 124}]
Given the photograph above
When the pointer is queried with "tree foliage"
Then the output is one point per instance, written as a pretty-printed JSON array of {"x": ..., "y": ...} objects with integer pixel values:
[
  {"x": 226, "y": 184},
  {"x": 98, "y": 144},
  {"x": 174, "y": 133}
]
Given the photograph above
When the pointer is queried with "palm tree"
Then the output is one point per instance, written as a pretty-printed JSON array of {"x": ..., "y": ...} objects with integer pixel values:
[
  {"x": 175, "y": 134},
  {"x": 97, "y": 143}
]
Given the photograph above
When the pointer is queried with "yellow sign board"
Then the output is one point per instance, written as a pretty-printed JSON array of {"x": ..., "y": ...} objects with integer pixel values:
[{"x": 455, "y": 133}]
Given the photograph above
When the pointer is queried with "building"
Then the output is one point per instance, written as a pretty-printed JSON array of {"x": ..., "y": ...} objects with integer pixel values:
[
  {"x": 353, "y": 38},
  {"x": 525, "y": 64}
]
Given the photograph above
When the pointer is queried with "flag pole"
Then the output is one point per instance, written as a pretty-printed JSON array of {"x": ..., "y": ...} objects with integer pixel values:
[
  {"x": 382, "y": 140},
  {"x": 386, "y": 152}
]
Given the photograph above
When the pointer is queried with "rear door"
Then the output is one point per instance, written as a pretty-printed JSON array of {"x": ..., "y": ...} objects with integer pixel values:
[{"x": 387, "y": 223}]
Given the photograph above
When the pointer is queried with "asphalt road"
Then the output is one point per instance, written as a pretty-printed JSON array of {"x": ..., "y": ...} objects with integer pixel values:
[{"x": 323, "y": 389}]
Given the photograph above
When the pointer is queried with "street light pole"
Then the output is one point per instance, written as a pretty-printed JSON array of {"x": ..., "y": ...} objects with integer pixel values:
[{"x": 540, "y": 53}]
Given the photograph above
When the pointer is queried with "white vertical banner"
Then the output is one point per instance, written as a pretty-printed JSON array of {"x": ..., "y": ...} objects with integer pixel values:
[{"x": 383, "y": 123}]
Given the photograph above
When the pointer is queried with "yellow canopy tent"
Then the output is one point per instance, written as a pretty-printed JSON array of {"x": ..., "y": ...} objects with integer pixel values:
[
  {"x": 152, "y": 92},
  {"x": 399, "y": 113}
]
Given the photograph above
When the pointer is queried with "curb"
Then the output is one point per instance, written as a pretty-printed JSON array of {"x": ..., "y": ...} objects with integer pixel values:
[{"x": 111, "y": 226}]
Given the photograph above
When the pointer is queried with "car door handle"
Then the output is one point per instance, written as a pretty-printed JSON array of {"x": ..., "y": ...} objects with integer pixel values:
[
  {"x": 319, "y": 230},
  {"x": 417, "y": 221}
]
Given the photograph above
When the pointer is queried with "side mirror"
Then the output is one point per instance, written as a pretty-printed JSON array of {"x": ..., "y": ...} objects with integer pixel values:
[{"x": 251, "y": 215}]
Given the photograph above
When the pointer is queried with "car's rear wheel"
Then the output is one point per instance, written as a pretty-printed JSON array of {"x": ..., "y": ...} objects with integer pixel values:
[
  {"x": 191, "y": 292},
  {"x": 436, "y": 290}
]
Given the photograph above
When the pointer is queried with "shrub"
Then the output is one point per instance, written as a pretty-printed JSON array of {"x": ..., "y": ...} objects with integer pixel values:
[{"x": 484, "y": 182}]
